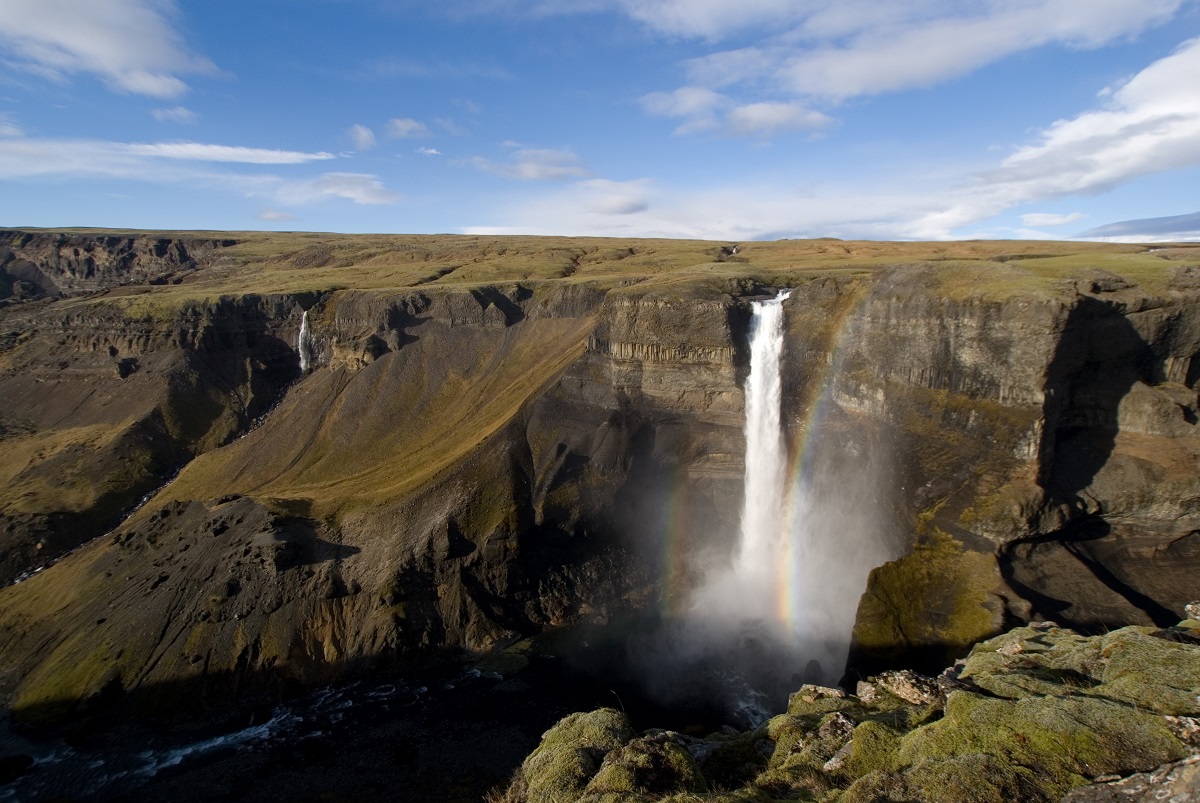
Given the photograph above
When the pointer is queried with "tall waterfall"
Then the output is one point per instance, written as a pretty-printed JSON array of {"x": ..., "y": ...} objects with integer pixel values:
[
  {"x": 780, "y": 609},
  {"x": 756, "y": 566},
  {"x": 304, "y": 345}
]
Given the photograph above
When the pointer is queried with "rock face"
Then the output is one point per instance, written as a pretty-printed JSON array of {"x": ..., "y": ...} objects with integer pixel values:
[
  {"x": 498, "y": 437},
  {"x": 1029, "y": 715},
  {"x": 1054, "y": 435},
  {"x": 39, "y": 265},
  {"x": 463, "y": 469},
  {"x": 98, "y": 409},
  {"x": 1179, "y": 781}
]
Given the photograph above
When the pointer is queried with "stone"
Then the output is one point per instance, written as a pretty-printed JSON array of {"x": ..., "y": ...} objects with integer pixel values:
[
  {"x": 909, "y": 686},
  {"x": 810, "y": 693},
  {"x": 1177, "y": 782},
  {"x": 867, "y": 692}
]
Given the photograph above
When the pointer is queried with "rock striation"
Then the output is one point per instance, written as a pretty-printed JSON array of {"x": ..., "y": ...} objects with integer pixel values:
[
  {"x": 51, "y": 264},
  {"x": 501, "y": 436}
]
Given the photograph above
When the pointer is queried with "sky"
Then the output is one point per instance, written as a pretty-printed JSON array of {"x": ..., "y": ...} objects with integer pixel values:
[{"x": 718, "y": 119}]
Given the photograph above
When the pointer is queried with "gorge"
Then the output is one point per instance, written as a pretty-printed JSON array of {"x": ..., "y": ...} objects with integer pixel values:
[{"x": 375, "y": 457}]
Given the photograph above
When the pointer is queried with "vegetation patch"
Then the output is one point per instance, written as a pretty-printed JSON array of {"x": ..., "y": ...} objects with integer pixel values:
[{"x": 985, "y": 739}]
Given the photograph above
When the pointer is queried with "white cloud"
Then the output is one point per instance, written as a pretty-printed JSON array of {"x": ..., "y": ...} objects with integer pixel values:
[
  {"x": 1149, "y": 125},
  {"x": 196, "y": 151},
  {"x": 361, "y": 188},
  {"x": 175, "y": 114},
  {"x": 843, "y": 50},
  {"x": 713, "y": 19},
  {"x": 1047, "y": 219},
  {"x": 27, "y": 157},
  {"x": 275, "y": 216},
  {"x": 185, "y": 164},
  {"x": 886, "y": 55},
  {"x": 406, "y": 128},
  {"x": 687, "y": 101},
  {"x": 8, "y": 128},
  {"x": 797, "y": 54},
  {"x": 536, "y": 164},
  {"x": 717, "y": 212},
  {"x": 705, "y": 110},
  {"x": 448, "y": 125},
  {"x": 429, "y": 151},
  {"x": 762, "y": 119},
  {"x": 605, "y": 197},
  {"x": 129, "y": 44},
  {"x": 1148, "y": 230},
  {"x": 362, "y": 137},
  {"x": 698, "y": 105}
]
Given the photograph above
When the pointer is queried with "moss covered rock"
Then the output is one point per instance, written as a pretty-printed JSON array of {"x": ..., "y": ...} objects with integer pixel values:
[
  {"x": 570, "y": 755},
  {"x": 927, "y": 608},
  {"x": 1026, "y": 716},
  {"x": 653, "y": 765}
]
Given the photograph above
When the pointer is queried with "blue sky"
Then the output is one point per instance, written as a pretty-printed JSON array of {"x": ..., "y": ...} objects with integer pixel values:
[{"x": 722, "y": 119}]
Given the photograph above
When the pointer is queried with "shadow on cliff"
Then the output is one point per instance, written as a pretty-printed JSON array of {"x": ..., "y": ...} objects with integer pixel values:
[
  {"x": 1100, "y": 358},
  {"x": 1063, "y": 587}
]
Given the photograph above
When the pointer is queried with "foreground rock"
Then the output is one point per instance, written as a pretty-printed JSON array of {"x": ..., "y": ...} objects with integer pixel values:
[{"x": 1029, "y": 715}]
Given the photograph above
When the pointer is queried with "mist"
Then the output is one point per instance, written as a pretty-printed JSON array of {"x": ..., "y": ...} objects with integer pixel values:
[{"x": 779, "y": 609}]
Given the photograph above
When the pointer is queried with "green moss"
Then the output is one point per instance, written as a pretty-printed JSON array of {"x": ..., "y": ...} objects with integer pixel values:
[
  {"x": 1065, "y": 740},
  {"x": 737, "y": 760},
  {"x": 878, "y": 786},
  {"x": 1136, "y": 666},
  {"x": 874, "y": 747},
  {"x": 975, "y": 778},
  {"x": 652, "y": 765},
  {"x": 788, "y": 734},
  {"x": 794, "y": 782},
  {"x": 1151, "y": 673},
  {"x": 930, "y": 605},
  {"x": 813, "y": 710},
  {"x": 68, "y": 680},
  {"x": 570, "y": 754}
]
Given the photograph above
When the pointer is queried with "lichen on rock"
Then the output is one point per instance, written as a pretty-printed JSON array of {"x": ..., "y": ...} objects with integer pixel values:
[{"x": 1028, "y": 715}]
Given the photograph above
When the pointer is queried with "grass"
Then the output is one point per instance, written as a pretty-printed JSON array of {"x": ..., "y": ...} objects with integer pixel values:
[
  {"x": 293, "y": 262},
  {"x": 48, "y": 470},
  {"x": 429, "y": 408}
]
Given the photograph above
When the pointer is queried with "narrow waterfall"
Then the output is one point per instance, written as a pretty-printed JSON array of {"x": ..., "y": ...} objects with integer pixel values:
[
  {"x": 762, "y": 522},
  {"x": 779, "y": 608},
  {"x": 304, "y": 345}
]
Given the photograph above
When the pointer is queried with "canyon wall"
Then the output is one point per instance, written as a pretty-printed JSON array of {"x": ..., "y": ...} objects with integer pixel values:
[{"x": 469, "y": 464}]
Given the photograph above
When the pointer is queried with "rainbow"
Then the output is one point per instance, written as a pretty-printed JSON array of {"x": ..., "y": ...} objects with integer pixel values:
[
  {"x": 788, "y": 603},
  {"x": 675, "y": 568}
]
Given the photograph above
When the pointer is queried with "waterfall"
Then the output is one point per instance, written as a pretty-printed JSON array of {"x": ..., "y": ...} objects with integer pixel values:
[
  {"x": 762, "y": 522},
  {"x": 779, "y": 609},
  {"x": 304, "y": 345}
]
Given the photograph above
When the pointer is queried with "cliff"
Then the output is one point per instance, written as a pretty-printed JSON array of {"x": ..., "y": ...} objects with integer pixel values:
[
  {"x": 53, "y": 264},
  {"x": 501, "y": 435}
]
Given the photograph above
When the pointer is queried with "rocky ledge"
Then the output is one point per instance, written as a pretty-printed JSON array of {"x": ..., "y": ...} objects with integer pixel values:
[{"x": 1032, "y": 715}]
